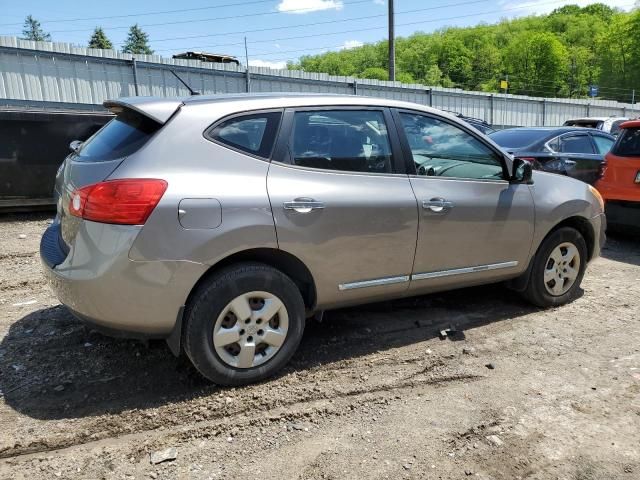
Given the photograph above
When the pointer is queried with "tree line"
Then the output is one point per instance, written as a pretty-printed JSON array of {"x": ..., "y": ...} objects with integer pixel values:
[
  {"x": 556, "y": 55},
  {"x": 137, "y": 40}
]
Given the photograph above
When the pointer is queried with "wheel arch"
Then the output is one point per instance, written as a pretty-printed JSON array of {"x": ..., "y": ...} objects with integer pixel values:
[
  {"x": 284, "y": 261},
  {"x": 577, "y": 222}
]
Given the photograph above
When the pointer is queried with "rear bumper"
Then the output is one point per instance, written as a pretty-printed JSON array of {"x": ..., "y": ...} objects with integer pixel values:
[
  {"x": 623, "y": 214},
  {"x": 98, "y": 282}
]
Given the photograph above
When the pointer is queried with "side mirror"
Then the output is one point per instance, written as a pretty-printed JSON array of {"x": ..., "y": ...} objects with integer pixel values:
[
  {"x": 522, "y": 171},
  {"x": 75, "y": 146}
]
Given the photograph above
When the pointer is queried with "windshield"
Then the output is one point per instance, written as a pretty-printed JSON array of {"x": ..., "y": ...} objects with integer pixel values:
[
  {"x": 518, "y": 137},
  {"x": 119, "y": 138}
]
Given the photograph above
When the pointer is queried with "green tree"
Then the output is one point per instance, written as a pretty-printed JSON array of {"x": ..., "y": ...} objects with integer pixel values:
[
  {"x": 137, "y": 41},
  {"x": 375, "y": 73},
  {"x": 537, "y": 63},
  {"x": 32, "y": 30},
  {"x": 100, "y": 40}
]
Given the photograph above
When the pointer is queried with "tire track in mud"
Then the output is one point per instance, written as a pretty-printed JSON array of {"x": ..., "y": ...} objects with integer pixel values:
[{"x": 223, "y": 420}]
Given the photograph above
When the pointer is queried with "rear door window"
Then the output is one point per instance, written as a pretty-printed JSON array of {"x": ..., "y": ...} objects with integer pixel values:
[
  {"x": 253, "y": 133},
  {"x": 575, "y": 144},
  {"x": 344, "y": 140},
  {"x": 628, "y": 144},
  {"x": 119, "y": 138}
]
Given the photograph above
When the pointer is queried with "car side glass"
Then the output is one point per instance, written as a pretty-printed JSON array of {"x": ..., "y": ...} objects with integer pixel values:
[
  {"x": 444, "y": 150},
  {"x": 342, "y": 140},
  {"x": 576, "y": 144},
  {"x": 252, "y": 133},
  {"x": 603, "y": 144}
]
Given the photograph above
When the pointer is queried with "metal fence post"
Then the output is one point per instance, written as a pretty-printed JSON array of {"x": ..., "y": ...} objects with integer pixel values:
[
  {"x": 134, "y": 66},
  {"x": 355, "y": 86},
  {"x": 588, "y": 110},
  {"x": 430, "y": 90},
  {"x": 491, "y": 109},
  {"x": 624, "y": 111},
  {"x": 544, "y": 111}
]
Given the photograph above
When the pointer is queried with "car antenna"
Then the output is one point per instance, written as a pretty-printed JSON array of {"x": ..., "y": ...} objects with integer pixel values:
[{"x": 191, "y": 90}]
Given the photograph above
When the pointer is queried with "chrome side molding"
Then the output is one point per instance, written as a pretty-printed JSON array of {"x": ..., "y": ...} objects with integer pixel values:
[
  {"x": 460, "y": 271},
  {"x": 424, "y": 276},
  {"x": 373, "y": 283}
]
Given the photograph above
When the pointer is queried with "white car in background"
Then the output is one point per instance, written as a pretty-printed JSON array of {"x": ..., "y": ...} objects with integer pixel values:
[{"x": 610, "y": 125}]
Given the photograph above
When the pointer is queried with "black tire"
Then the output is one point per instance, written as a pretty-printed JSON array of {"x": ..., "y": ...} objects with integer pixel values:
[
  {"x": 536, "y": 292},
  {"x": 208, "y": 302}
]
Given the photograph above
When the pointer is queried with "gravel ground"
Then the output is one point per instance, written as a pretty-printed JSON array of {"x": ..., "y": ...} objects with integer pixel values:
[{"x": 373, "y": 392}]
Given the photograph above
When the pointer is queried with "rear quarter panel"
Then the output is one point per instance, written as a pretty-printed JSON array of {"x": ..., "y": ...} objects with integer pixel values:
[{"x": 196, "y": 168}]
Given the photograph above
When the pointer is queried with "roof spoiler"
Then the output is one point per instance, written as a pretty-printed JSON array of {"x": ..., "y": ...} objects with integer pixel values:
[{"x": 156, "y": 108}]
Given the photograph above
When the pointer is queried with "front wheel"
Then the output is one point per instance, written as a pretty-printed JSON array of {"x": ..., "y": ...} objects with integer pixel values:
[
  {"x": 243, "y": 324},
  {"x": 558, "y": 268}
]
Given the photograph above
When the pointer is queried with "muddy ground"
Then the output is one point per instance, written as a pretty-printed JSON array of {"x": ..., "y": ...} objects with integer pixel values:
[{"x": 372, "y": 393}]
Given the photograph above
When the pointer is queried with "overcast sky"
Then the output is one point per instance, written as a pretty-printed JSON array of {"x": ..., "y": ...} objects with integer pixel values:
[{"x": 276, "y": 30}]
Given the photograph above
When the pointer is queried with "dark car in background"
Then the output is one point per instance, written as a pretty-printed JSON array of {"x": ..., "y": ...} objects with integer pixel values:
[
  {"x": 477, "y": 123},
  {"x": 573, "y": 151}
]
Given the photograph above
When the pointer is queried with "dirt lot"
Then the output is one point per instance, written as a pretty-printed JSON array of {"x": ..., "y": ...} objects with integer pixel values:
[{"x": 372, "y": 393}]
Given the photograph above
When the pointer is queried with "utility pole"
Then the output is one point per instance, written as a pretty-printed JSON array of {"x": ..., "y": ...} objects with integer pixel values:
[
  {"x": 246, "y": 59},
  {"x": 392, "y": 44}
]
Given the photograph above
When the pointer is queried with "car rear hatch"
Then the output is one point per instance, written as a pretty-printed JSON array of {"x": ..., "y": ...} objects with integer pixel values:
[{"x": 137, "y": 120}]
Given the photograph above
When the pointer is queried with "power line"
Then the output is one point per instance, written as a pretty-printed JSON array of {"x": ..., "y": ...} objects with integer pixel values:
[
  {"x": 162, "y": 12},
  {"x": 297, "y": 37},
  {"x": 200, "y": 20},
  {"x": 313, "y": 24}
]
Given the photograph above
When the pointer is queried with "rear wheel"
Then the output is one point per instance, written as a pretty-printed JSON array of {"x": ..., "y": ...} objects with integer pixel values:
[
  {"x": 558, "y": 268},
  {"x": 243, "y": 324}
]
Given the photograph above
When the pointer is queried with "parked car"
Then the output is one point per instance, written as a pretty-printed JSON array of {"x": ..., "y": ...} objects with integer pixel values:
[
  {"x": 220, "y": 223},
  {"x": 477, "y": 123},
  {"x": 571, "y": 151},
  {"x": 620, "y": 179},
  {"x": 609, "y": 125}
]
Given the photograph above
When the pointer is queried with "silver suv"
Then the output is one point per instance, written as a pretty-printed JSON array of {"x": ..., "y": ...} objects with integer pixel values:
[{"x": 221, "y": 223}]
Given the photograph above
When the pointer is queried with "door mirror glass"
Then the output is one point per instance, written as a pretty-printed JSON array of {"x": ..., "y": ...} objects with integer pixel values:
[{"x": 522, "y": 171}]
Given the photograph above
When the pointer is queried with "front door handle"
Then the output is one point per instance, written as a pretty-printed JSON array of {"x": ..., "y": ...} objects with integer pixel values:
[
  {"x": 303, "y": 205},
  {"x": 437, "y": 205},
  {"x": 569, "y": 162}
]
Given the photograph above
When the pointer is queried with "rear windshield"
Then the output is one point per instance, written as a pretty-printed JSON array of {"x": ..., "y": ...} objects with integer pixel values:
[
  {"x": 585, "y": 123},
  {"x": 628, "y": 144},
  {"x": 119, "y": 138},
  {"x": 517, "y": 138}
]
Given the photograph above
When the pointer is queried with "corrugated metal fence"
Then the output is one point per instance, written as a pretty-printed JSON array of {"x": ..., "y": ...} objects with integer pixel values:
[{"x": 60, "y": 74}]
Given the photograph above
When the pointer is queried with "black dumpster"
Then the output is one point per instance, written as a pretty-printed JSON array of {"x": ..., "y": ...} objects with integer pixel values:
[{"x": 33, "y": 144}]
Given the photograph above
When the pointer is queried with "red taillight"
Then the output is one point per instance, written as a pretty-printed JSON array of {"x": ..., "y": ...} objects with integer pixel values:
[{"x": 125, "y": 202}]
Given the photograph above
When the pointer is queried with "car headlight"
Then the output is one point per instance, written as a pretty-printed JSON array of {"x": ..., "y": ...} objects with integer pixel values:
[{"x": 596, "y": 194}]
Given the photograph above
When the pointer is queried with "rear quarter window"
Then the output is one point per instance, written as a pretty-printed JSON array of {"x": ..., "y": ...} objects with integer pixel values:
[
  {"x": 253, "y": 133},
  {"x": 628, "y": 144},
  {"x": 119, "y": 138}
]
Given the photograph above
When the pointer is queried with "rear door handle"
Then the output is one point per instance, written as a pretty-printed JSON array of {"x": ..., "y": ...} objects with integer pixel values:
[
  {"x": 303, "y": 205},
  {"x": 437, "y": 205},
  {"x": 569, "y": 162}
]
